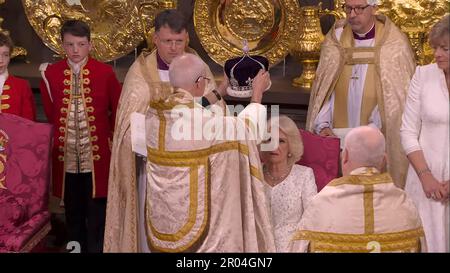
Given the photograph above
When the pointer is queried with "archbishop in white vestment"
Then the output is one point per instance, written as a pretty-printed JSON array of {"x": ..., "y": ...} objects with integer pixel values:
[
  {"x": 363, "y": 211},
  {"x": 204, "y": 188}
]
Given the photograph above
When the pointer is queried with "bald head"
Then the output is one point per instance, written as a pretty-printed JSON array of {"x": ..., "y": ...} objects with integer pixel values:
[
  {"x": 365, "y": 146},
  {"x": 184, "y": 70}
]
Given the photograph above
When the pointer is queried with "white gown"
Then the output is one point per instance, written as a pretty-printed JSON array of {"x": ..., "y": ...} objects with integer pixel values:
[
  {"x": 425, "y": 127},
  {"x": 288, "y": 200}
]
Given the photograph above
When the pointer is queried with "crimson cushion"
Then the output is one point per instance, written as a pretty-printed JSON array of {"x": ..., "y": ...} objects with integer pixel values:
[{"x": 322, "y": 155}]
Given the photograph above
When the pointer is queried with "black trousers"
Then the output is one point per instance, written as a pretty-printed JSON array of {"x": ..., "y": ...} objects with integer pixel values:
[{"x": 85, "y": 216}]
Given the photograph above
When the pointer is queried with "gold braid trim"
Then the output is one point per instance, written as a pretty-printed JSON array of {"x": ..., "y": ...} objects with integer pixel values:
[
  {"x": 162, "y": 105},
  {"x": 331, "y": 237},
  {"x": 412, "y": 245},
  {"x": 362, "y": 180},
  {"x": 193, "y": 210}
]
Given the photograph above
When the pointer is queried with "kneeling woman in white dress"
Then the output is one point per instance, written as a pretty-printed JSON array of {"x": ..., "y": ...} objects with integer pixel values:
[
  {"x": 291, "y": 186},
  {"x": 425, "y": 138}
]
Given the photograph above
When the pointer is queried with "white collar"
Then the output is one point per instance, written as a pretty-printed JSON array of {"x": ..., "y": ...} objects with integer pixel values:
[
  {"x": 76, "y": 66},
  {"x": 365, "y": 171},
  {"x": 364, "y": 34}
]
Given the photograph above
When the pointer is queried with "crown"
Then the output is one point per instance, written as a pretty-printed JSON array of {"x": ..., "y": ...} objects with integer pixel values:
[{"x": 241, "y": 71}]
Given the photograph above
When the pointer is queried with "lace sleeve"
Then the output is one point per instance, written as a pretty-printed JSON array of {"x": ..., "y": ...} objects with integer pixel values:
[{"x": 309, "y": 189}]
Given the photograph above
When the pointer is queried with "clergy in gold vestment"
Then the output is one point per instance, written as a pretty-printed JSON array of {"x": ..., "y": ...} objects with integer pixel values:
[
  {"x": 204, "y": 189},
  {"x": 363, "y": 211},
  {"x": 365, "y": 67},
  {"x": 121, "y": 231}
]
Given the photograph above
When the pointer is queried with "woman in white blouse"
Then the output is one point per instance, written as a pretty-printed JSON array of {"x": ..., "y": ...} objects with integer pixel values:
[
  {"x": 291, "y": 186},
  {"x": 425, "y": 138}
]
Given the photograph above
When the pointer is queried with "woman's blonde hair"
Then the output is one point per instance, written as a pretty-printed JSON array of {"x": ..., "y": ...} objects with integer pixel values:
[
  {"x": 439, "y": 31},
  {"x": 288, "y": 126}
]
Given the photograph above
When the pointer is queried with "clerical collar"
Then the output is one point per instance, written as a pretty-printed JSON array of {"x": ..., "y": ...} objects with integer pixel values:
[
  {"x": 77, "y": 66},
  {"x": 161, "y": 63},
  {"x": 366, "y": 36}
]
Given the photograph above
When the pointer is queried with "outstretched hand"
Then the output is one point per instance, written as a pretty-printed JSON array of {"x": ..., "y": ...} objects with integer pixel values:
[{"x": 260, "y": 84}]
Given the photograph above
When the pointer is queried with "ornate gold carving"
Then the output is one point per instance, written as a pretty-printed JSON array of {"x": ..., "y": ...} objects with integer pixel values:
[
  {"x": 415, "y": 18},
  {"x": 249, "y": 20},
  {"x": 17, "y": 51},
  {"x": 115, "y": 26},
  {"x": 267, "y": 26}
]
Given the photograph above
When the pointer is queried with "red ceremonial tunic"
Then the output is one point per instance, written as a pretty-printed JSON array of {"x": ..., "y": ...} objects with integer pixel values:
[
  {"x": 100, "y": 92},
  {"x": 17, "y": 98}
]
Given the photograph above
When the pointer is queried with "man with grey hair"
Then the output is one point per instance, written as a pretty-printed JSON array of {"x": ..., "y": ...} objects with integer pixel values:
[
  {"x": 365, "y": 66},
  {"x": 204, "y": 192},
  {"x": 364, "y": 146},
  {"x": 148, "y": 73},
  {"x": 363, "y": 211}
]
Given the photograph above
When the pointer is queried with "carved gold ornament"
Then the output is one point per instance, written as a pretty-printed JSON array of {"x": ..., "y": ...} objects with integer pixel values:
[
  {"x": 415, "y": 18},
  {"x": 17, "y": 51},
  {"x": 267, "y": 25},
  {"x": 115, "y": 26}
]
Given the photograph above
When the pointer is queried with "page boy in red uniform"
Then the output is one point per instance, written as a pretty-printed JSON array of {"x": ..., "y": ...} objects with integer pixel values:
[
  {"x": 80, "y": 97},
  {"x": 16, "y": 96}
]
